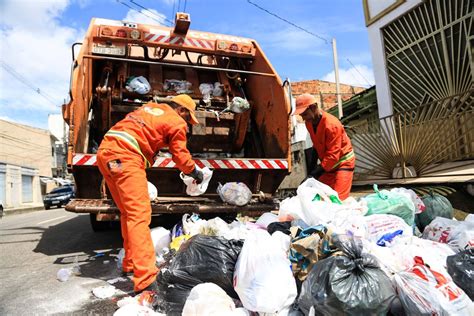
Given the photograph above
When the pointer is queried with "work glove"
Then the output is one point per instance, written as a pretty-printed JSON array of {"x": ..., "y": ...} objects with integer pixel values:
[
  {"x": 317, "y": 172},
  {"x": 197, "y": 175}
]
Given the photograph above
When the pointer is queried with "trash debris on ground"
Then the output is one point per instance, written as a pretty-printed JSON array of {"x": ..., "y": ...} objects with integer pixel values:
[
  {"x": 349, "y": 283},
  {"x": 234, "y": 193},
  {"x": 136, "y": 310},
  {"x": 116, "y": 280},
  {"x": 425, "y": 291},
  {"x": 104, "y": 291},
  {"x": 64, "y": 274},
  {"x": 436, "y": 206},
  {"x": 318, "y": 256},
  {"x": 120, "y": 257},
  {"x": 461, "y": 270}
]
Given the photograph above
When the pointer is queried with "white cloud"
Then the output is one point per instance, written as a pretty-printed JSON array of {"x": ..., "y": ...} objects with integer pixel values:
[
  {"x": 357, "y": 76},
  {"x": 169, "y": 2},
  {"x": 38, "y": 48},
  {"x": 149, "y": 16}
]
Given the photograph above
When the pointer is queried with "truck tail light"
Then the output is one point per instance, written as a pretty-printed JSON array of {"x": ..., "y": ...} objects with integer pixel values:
[
  {"x": 106, "y": 31},
  {"x": 121, "y": 33},
  {"x": 135, "y": 34}
]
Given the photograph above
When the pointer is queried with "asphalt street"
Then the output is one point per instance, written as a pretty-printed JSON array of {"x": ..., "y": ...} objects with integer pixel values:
[{"x": 34, "y": 246}]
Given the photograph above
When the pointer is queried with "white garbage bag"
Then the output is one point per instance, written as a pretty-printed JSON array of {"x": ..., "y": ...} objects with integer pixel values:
[
  {"x": 161, "y": 238},
  {"x": 193, "y": 188},
  {"x": 262, "y": 277},
  {"x": 152, "y": 191},
  {"x": 382, "y": 228},
  {"x": 419, "y": 205},
  {"x": 235, "y": 193},
  {"x": 266, "y": 219},
  {"x": 210, "y": 299},
  {"x": 425, "y": 291},
  {"x": 138, "y": 84},
  {"x": 459, "y": 235}
]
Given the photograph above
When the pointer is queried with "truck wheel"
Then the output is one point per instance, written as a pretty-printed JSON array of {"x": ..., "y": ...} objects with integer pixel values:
[
  {"x": 98, "y": 226},
  {"x": 47, "y": 207}
]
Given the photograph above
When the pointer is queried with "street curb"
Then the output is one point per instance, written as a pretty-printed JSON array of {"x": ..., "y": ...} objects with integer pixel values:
[{"x": 22, "y": 210}]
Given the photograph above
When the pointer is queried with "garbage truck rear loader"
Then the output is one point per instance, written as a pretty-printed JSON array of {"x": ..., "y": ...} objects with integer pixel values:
[{"x": 250, "y": 147}]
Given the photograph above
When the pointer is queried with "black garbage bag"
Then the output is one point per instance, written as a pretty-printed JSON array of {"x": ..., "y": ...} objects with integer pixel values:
[
  {"x": 350, "y": 283},
  {"x": 461, "y": 269},
  {"x": 436, "y": 205},
  {"x": 201, "y": 259}
]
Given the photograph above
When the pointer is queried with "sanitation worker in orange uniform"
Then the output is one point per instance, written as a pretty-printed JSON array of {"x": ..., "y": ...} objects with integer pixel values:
[
  {"x": 126, "y": 150},
  {"x": 331, "y": 143}
]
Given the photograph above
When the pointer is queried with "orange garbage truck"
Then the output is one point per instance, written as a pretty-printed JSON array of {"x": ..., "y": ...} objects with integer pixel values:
[{"x": 121, "y": 66}]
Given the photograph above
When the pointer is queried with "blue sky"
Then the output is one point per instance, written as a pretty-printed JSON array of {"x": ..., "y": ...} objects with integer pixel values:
[{"x": 36, "y": 36}]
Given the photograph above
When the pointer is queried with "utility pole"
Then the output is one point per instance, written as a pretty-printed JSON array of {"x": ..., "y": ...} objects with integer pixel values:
[
  {"x": 64, "y": 149},
  {"x": 336, "y": 73}
]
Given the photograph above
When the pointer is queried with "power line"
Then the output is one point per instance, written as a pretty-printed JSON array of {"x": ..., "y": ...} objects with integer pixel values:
[
  {"x": 26, "y": 82},
  {"x": 289, "y": 22},
  {"x": 142, "y": 13},
  {"x": 309, "y": 32},
  {"x": 148, "y": 10},
  {"x": 174, "y": 7},
  {"x": 185, "y": 3},
  {"x": 350, "y": 62}
]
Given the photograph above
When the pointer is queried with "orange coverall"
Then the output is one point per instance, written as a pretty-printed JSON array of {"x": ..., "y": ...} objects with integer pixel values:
[
  {"x": 335, "y": 152},
  {"x": 126, "y": 150}
]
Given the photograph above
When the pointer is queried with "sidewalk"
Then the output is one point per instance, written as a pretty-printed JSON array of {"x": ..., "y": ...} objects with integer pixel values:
[{"x": 23, "y": 209}]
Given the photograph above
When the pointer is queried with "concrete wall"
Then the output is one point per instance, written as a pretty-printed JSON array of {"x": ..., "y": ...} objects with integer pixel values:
[
  {"x": 27, "y": 146},
  {"x": 14, "y": 195},
  {"x": 377, "y": 48}
]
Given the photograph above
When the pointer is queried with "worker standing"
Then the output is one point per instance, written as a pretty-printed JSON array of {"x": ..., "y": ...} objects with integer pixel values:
[
  {"x": 126, "y": 150},
  {"x": 333, "y": 146}
]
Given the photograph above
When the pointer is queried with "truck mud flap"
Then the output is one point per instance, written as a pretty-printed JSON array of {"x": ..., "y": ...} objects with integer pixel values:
[{"x": 175, "y": 206}]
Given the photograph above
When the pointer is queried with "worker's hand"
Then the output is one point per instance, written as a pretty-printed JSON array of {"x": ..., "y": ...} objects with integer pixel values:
[
  {"x": 317, "y": 172},
  {"x": 197, "y": 175}
]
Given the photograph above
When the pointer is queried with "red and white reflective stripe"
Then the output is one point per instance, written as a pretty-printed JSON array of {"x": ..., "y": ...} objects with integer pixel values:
[
  {"x": 179, "y": 40},
  {"x": 162, "y": 162},
  {"x": 84, "y": 160},
  {"x": 228, "y": 163}
]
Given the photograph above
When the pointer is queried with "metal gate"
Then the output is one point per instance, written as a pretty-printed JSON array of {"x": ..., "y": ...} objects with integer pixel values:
[{"x": 419, "y": 139}]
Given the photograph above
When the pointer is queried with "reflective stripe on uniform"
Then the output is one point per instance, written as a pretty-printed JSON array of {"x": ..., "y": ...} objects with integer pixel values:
[
  {"x": 346, "y": 157},
  {"x": 130, "y": 140}
]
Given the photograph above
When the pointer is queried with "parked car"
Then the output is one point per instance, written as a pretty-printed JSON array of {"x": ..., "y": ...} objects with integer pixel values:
[{"x": 59, "y": 196}]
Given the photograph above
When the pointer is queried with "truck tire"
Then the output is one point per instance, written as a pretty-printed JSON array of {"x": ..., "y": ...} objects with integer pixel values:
[
  {"x": 47, "y": 207},
  {"x": 98, "y": 226}
]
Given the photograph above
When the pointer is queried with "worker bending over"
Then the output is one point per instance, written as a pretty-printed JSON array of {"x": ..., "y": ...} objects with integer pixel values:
[
  {"x": 333, "y": 147},
  {"x": 126, "y": 150}
]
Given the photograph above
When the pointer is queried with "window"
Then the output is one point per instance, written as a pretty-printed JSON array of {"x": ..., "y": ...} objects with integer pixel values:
[{"x": 27, "y": 188}]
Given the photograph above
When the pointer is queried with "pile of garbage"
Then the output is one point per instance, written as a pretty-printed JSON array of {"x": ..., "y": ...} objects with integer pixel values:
[{"x": 388, "y": 252}]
